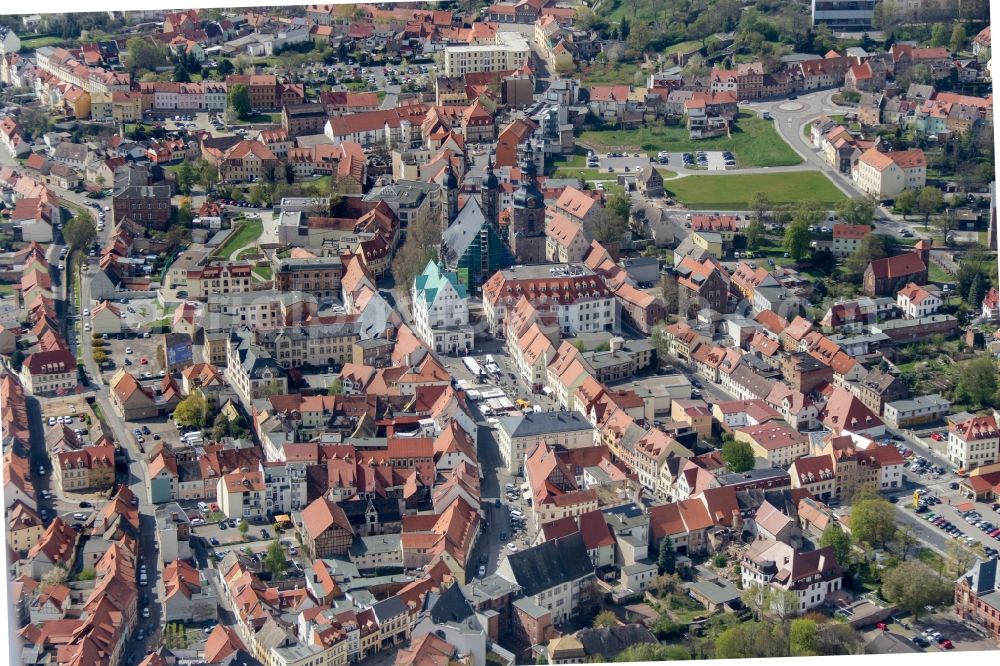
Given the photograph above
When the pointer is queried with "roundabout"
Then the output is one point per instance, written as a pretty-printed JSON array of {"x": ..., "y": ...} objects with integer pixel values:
[{"x": 791, "y": 106}]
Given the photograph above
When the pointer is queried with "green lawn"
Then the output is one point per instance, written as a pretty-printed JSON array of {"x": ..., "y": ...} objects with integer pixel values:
[
  {"x": 754, "y": 142},
  {"x": 32, "y": 43},
  {"x": 618, "y": 73},
  {"x": 585, "y": 174},
  {"x": 6, "y": 289},
  {"x": 263, "y": 272},
  {"x": 937, "y": 274},
  {"x": 248, "y": 232},
  {"x": 733, "y": 192}
]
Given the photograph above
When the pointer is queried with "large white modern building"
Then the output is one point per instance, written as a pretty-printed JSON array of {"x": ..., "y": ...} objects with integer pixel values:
[
  {"x": 844, "y": 15},
  {"x": 509, "y": 51}
]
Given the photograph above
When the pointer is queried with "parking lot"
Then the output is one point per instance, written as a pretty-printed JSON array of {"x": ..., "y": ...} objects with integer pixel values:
[
  {"x": 712, "y": 160},
  {"x": 137, "y": 354}
]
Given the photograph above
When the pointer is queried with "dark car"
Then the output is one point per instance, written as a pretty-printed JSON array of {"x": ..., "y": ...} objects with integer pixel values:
[
  {"x": 920, "y": 641},
  {"x": 85, "y": 505}
]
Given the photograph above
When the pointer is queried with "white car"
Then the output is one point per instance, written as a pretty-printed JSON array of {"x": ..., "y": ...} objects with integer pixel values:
[
  {"x": 79, "y": 516},
  {"x": 52, "y": 420},
  {"x": 128, "y": 350},
  {"x": 512, "y": 547},
  {"x": 145, "y": 611},
  {"x": 86, "y": 327},
  {"x": 482, "y": 570}
]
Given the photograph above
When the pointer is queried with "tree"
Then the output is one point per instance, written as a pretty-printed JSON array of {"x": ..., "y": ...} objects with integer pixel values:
[
  {"x": 192, "y": 410},
  {"x": 839, "y": 540},
  {"x": 605, "y": 620},
  {"x": 639, "y": 37},
  {"x": 737, "y": 455},
  {"x": 34, "y": 122},
  {"x": 797, "y": 237},
  {"x": 666, "y": 563},
  {"x": 145, "y": 54},
  {"x": 87, "y": 574},
  {"x": 871, "y": 247},
  {"x": 408, "y": 263},
  {"x": 275, "y": 561},
  {"x": 802, "y": 638},
  {"x": 939, "y": 35},
  {"x": 977, "y": 382},
  {"x": 666, "y": 584},
  {"x": 208, "y": 175},
  {"x": 912, "y": 585},
  {"x": 957, "y": 38},
  {"x": 755, "y": 597},
  {"x": 336, "y": 387},
  {"x": 754, "y": 233},
  {"x": 859, "y": 210},
  {"x": 810, "y": 212},
  {"x": 906, "y": 202},
  {"x": 670, "y": 291},
  {"x": 621, "y": 204},
  {"x": 186, "y": 177},
  {"x": 873, "y": 521},
  {"x": 225, "y": 67},
  {"x": 606, "y": 226},
  {"x": 239, "y": 100},
  {"x": 977, "y": 291},
  {"x": 652, "y": 652},
  {"x": 243, "y": 527},
  {"x": 752, "y": 640},
  {"x": 79, "y": 232},
  {"x": 181, "y": 74},
  {"x": 928, "y": 201}
]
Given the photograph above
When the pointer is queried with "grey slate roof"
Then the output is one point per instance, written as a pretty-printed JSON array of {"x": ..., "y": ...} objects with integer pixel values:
[
  {"x": 551, "y": 563},
  {"x": 529, "y": 425},
  {"x": 609, "y": 641},
  {"x": 390, "y": 608}
]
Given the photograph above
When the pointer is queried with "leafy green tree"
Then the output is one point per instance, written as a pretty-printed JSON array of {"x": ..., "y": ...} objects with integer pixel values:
[
  {"x": 871, "y": 247},
  {"x": 652, "y": 652},
  {"x": 977, "y": 291},
  {"x": 336, "y": 387},
  {"x": 797, "y": 239},
  {"x": 225, "y": 67},
  {"x": 738, "y": 455},
  {"x": 621, "y": 204},
  {"x": 802, "y": 638},
  {"x": 605, "y": 619},
  {"x": 243, "y": 527},
  {"x": 186, "y": 177},
  {"x": 181, "y": 74},
  {"x": 977, "y": 382},
  {"x": 145, "y": 54},
  {"x": 873, "y": 521},
  {"x": 239, "y": 100},
  {"x": 79, "y": 232},
  {"x": 858, "y": 210},
  {"x": 192, "y": 410},
  {"x": 912, "y": 585},
  {"x": 754, "y": 233},
  {"x": 667, "y": 630},
  {"x": 939, "y": 35},
  {"x": 666, "y": 563},
  {"x": 275, "y": 561},
  {"x": 957, "y": 41},
  {"x": 836, "y": 538},
  {"x": 34, "y": 122}
]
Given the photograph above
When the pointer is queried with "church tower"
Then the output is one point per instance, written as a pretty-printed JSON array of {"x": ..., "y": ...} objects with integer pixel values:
[
  {"x": 527, "y": 216},
  {"x": 490, "y": 195},
  {"x": 449, "y": 211}
]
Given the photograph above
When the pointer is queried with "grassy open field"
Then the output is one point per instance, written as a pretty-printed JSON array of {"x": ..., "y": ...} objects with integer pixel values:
[
  {"x": 617, "y": 73},
  {"x": 32, "y": 43},
  {"x": 754, "y": 142},
  {"x": 733, "y": 192},
  {"x": 248, "y": 232}
]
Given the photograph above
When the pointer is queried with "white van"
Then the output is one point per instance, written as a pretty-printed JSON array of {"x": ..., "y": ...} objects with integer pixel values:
[{"x": 202, "y": 506}]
